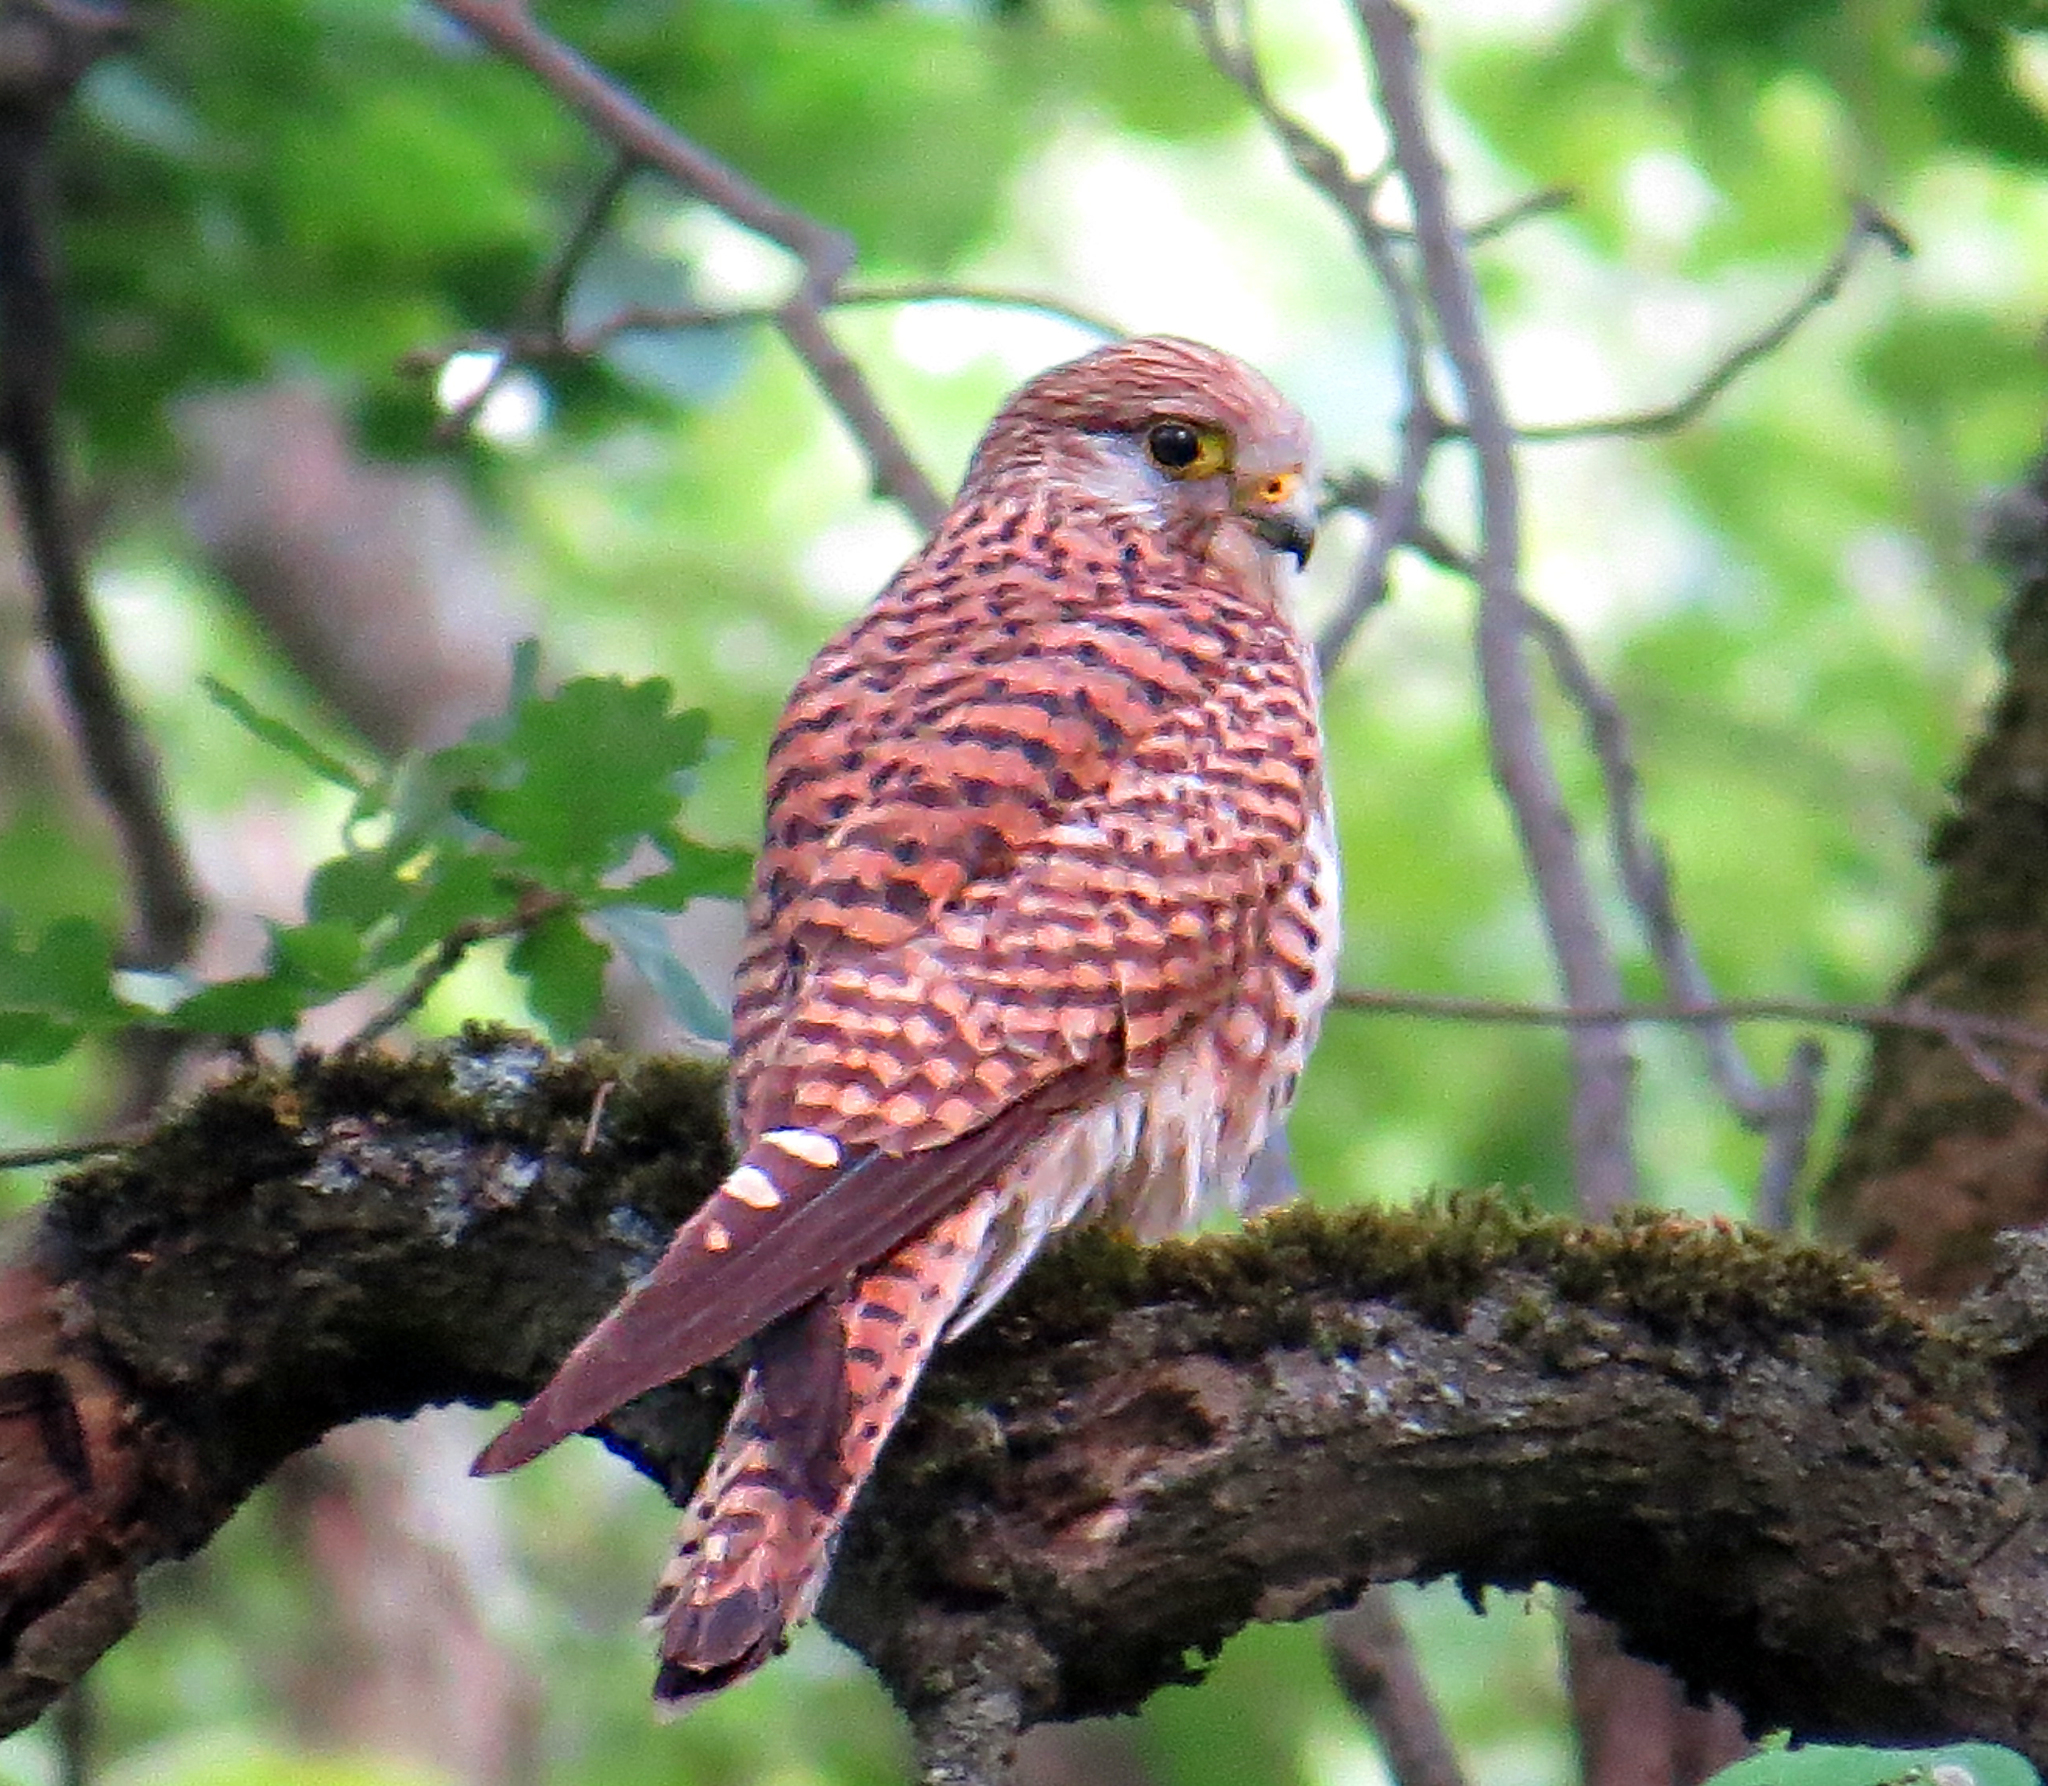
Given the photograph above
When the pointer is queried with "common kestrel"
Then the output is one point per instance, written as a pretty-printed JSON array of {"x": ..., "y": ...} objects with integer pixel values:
[{"x": 1042, "y": 928}]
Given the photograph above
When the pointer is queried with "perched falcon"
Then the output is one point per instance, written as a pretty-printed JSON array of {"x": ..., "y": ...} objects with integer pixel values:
[{"x": 1041, "y": 931}]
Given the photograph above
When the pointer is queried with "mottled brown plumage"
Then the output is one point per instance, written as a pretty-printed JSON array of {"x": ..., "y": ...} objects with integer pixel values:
[{"x": 1040, "y": 932}]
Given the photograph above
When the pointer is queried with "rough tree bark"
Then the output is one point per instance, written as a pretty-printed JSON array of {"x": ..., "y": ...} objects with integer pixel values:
[
  {"x": 1752, "y": 1454},
  {"x": 1946, "y": 1149}
]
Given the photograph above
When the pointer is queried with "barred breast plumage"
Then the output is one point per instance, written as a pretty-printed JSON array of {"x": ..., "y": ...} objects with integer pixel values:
[{"x": 1042, "y": 926}]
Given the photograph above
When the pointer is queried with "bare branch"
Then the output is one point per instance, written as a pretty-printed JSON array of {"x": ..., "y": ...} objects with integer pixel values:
[
  {"x": 1490, "y": 229},
  {"x": 68, "y": 1154},
  {"x": 453, "y": 949},
  {"x": 1370, "y": 1654},
  {"x": 1932, "y": 1020},
  {"x": 621, "y": 120},
  {"x": 532, "y": 346},
  {"x": 995, "y": 297},
  {"x": 1995, "y": 1072},
  {"x": 1363, "y": 492},
  {"x": 824, "y": 254},
  {"x": 1394, "y": 507},
  {"x": 52, "y": 48},
  {"x": 1785, "y": 1113},
  {"x": 1603, "y": 1147},
  {"x": 1639, "y": 858},
  {"x": 1394, "y": 521},
  {"x": 1393, "y": 510},
  {"x": 1867, "y": 224},
  {"x": 1788, "y": 1125},
  {"x": 1788, "y": 1133},
  {"x": 550, "y": 295},
  {"x": 1535, "y": 204},
  {"x": 896, "y": 473}
]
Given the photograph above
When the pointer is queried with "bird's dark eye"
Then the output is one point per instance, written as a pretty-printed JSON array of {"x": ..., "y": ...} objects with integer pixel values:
[{"x": 1173, "y": 445}]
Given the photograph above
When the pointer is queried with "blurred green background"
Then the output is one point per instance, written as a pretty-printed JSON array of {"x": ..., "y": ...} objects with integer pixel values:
[{"x": 266, "y": 203}]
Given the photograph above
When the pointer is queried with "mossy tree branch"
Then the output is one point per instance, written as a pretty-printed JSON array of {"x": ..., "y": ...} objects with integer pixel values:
[{"x": 1751, "y": 1454}]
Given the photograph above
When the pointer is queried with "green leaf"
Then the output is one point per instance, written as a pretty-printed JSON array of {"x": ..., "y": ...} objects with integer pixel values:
[
  {"x": 695, "y": 871},
  {"x": 449, "y": 890},
  {"x": 31, "y": 1039},
  {"x": 426, "y": 791},
  {"x": 56, "y": 991},
  {"x": 243, "y": 1007},
  {"x": 643, "y": 939},
  {"x": 283, "y": 736},
  {"x": 359, "y": 889},
  {"x": 326, "y": 958},
  {"x": 70, "y": 970},
  {"x": 598, "y": 768},
  {"x": 564, "y": 972},
  {"x": 1823, "y": 1764}
]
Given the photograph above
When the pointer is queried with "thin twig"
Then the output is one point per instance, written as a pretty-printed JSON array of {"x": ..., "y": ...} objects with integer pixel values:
[
  {"x": 1788, "y": 1133},
  {"x": 533, "y": 346},
  {"x": 1932, "y": 1020},
  {"x": 895, "y": 472},
  {"x": 1603, "y": 1074},
  {"x": 621, "y": 120},
  {"x": 447, "y": 957},
  {"x": 117, "y": 757},
  {"x": 544, "y": 310},
  {"x": 1363, "y": 492},
  {"x": 1394, "y": 509},
  {"x": 824, "y": 254},
  {"x": 551, "y": 297},
  {"x": 599, "y": 1100},
  {"x": 70, "y": 1153},
  {"x": 1393, "y": 522},
  {"x": 1490, "y": 229},
  {"x": 1788, "y": 1123},
  {"x": 1534, "y": 204},
  {"x": 1784, "y": 1113},
  {"x": 948, "y": 291},
  {"x": 1639, "y": 859},
  {"x": 1995, "y": 1072},
  {"x": 1375, "y": 1665},
  {"x": 1867, "y": 224}
]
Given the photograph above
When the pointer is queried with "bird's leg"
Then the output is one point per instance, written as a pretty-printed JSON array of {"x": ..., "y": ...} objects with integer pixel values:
[{"x": 825, "y": 1389}]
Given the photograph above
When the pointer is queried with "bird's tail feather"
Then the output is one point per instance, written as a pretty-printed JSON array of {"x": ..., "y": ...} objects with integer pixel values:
[{"x": 826, "y": 1387}]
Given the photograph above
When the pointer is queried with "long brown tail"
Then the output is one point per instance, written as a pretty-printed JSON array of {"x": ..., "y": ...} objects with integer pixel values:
[{"x": 825, "y": 1389}]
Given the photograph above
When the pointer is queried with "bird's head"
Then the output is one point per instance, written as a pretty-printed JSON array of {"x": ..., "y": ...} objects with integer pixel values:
[{"x": 1188, "y": 440}]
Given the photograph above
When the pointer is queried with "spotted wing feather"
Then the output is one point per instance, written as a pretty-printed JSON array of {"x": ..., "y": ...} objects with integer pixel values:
[
  {"x": 994, "y": 882},
  {"x": 736, "y": 1266}
]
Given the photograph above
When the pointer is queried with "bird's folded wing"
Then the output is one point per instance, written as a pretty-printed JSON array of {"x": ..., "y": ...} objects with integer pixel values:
[
  {"x": 743, "y": 1260},
  {"x": 905, "y": 1072}
]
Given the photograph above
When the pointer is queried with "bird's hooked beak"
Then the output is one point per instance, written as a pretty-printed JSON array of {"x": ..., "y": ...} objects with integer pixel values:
[{"x": 1281, "y": 508}]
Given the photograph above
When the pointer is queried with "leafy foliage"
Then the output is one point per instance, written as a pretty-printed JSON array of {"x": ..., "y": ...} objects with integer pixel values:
[{"x": 532, "y": 822}]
